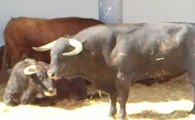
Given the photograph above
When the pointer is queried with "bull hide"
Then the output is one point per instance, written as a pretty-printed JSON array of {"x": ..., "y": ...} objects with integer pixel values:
[
  {"x": 22, "y": 86},
  {"x": 112, "y": 59}
]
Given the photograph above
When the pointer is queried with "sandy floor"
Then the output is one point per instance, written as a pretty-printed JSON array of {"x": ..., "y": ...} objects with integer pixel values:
[{"x": 168, "y": 101}]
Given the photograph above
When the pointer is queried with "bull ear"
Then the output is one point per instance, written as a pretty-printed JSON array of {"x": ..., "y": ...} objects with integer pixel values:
[
  {"x": 77, "y": 45},
  {"x": 45, "y": 47},
  {"x": 29, "y": 70}
]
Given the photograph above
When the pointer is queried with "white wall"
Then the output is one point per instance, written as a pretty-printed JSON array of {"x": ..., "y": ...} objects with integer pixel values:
[
  {"x": 45, "y": 9},
  {"x": 158, "y": 10},
  {"x": 133, "y": 10}
]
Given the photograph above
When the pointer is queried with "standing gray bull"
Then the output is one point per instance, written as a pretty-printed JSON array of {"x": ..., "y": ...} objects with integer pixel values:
[
  {"x": 112, "y": 59},
  {"x": 28, "y": 79}
]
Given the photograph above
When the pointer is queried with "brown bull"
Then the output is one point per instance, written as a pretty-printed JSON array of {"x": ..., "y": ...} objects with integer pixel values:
[{"x": 22, "y": 33}]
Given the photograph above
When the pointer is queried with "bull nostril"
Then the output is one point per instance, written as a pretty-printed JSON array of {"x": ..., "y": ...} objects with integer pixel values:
[
  {"x": 50, "y": 92},
  {"x": 51, "y": 89},
  {"x": 50, "y": 74}
]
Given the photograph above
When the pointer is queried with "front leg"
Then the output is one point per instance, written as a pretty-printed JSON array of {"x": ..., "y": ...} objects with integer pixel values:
[
  {"x": 122, "y": 84},
  {"x": 113, "y": 98},
  {"x": 28, "y": 97}
]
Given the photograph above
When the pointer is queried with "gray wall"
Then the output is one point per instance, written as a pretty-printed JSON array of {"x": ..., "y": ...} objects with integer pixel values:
[
  {"x": 110, "y": 11},
  {"x": 45, "y": 9},
  {"x": 133, "y": 10},
  {"x": 158, "y": 10}
]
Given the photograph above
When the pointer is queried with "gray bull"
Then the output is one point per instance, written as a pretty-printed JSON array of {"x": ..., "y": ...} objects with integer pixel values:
[
  {"x": 112, "y": 58},
  {"x": 28, "y": 79}
]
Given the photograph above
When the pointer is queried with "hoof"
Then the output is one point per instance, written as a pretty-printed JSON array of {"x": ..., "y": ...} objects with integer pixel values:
[
  {"x": 112, "y": 112},
  {"x": 121, "y": 115},
  {"x": 11, "y": 103},
  {"x": 122, "y": 118}
]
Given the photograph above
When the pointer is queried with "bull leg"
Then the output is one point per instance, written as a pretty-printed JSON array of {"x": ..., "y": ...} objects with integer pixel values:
[
  {"x": 10, "y": 100},
  {"x": 190, "y": 62},
  {"x": 28, "y": 97},
  {"x": 80, "y": 88},
  {"x": 191, "y": 75},
  {"x": 193, "y": 109},
  {"x": 113, "y": 98},
  {"x": 192, "y": 80},
  {"x": 123, "y": 91}
]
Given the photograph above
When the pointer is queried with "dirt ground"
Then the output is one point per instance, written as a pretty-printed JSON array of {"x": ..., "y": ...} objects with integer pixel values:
[{"x": 168, "y": 101}]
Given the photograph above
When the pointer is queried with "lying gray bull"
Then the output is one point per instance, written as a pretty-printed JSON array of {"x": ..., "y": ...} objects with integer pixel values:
[
  {"x": 28, "y": 79},
  {"x": 112, "y": 59}
]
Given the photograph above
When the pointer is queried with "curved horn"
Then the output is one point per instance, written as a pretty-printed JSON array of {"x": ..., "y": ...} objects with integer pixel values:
[
  {"x": 29, "y": 70},
  {"x": 78, "y": 47},
  {"x": 45, "y": 47}
]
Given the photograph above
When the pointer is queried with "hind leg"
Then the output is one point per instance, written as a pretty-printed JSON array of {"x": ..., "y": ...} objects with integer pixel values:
[
  {"x": 192, "y": 80},
  {"x": 10, "y": 99},
  {"x": 10, "y": 102},
  {"x": 193, "y": 109},
  {"x": 123, "y": 83},
  {"x": 191, "y": 75},
  {"x": 28, "y": 97},
  {"x": 113, "y": 98}
]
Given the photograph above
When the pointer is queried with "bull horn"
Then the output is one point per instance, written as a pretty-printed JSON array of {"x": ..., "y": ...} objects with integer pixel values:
[
  {"x": 77, "y": 45},
  {"x": 45, "y": 47},
  {"x": 32, "y": 69}
]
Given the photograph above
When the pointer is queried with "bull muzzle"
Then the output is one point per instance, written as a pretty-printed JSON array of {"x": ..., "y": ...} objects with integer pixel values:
[{"x": 50, "y": 92}]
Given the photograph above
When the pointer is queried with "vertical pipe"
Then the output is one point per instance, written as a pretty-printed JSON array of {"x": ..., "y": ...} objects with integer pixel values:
[{"x": 110, "y": 11}]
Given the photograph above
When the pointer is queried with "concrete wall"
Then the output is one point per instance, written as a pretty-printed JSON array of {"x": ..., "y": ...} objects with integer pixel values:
[
  {"x": 45, "y": 9},
  {"x": 133, "y": 10},
  {"x": 111, "y": 11},
  {"x": 158, "y": 10}
]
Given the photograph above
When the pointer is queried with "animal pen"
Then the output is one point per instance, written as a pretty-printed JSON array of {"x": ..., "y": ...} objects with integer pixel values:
[{"x": 172, "y": 100}]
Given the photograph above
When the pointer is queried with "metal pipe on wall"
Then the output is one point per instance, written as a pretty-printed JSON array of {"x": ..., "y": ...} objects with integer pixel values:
[{"x": 110, "y": 11}]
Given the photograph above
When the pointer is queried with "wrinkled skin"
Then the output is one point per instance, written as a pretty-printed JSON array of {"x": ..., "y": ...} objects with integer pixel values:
[
  {"x": 93, "y": 63},
  {"x": 21, "y": 88},
  {"x": 113, "y": 58}
]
